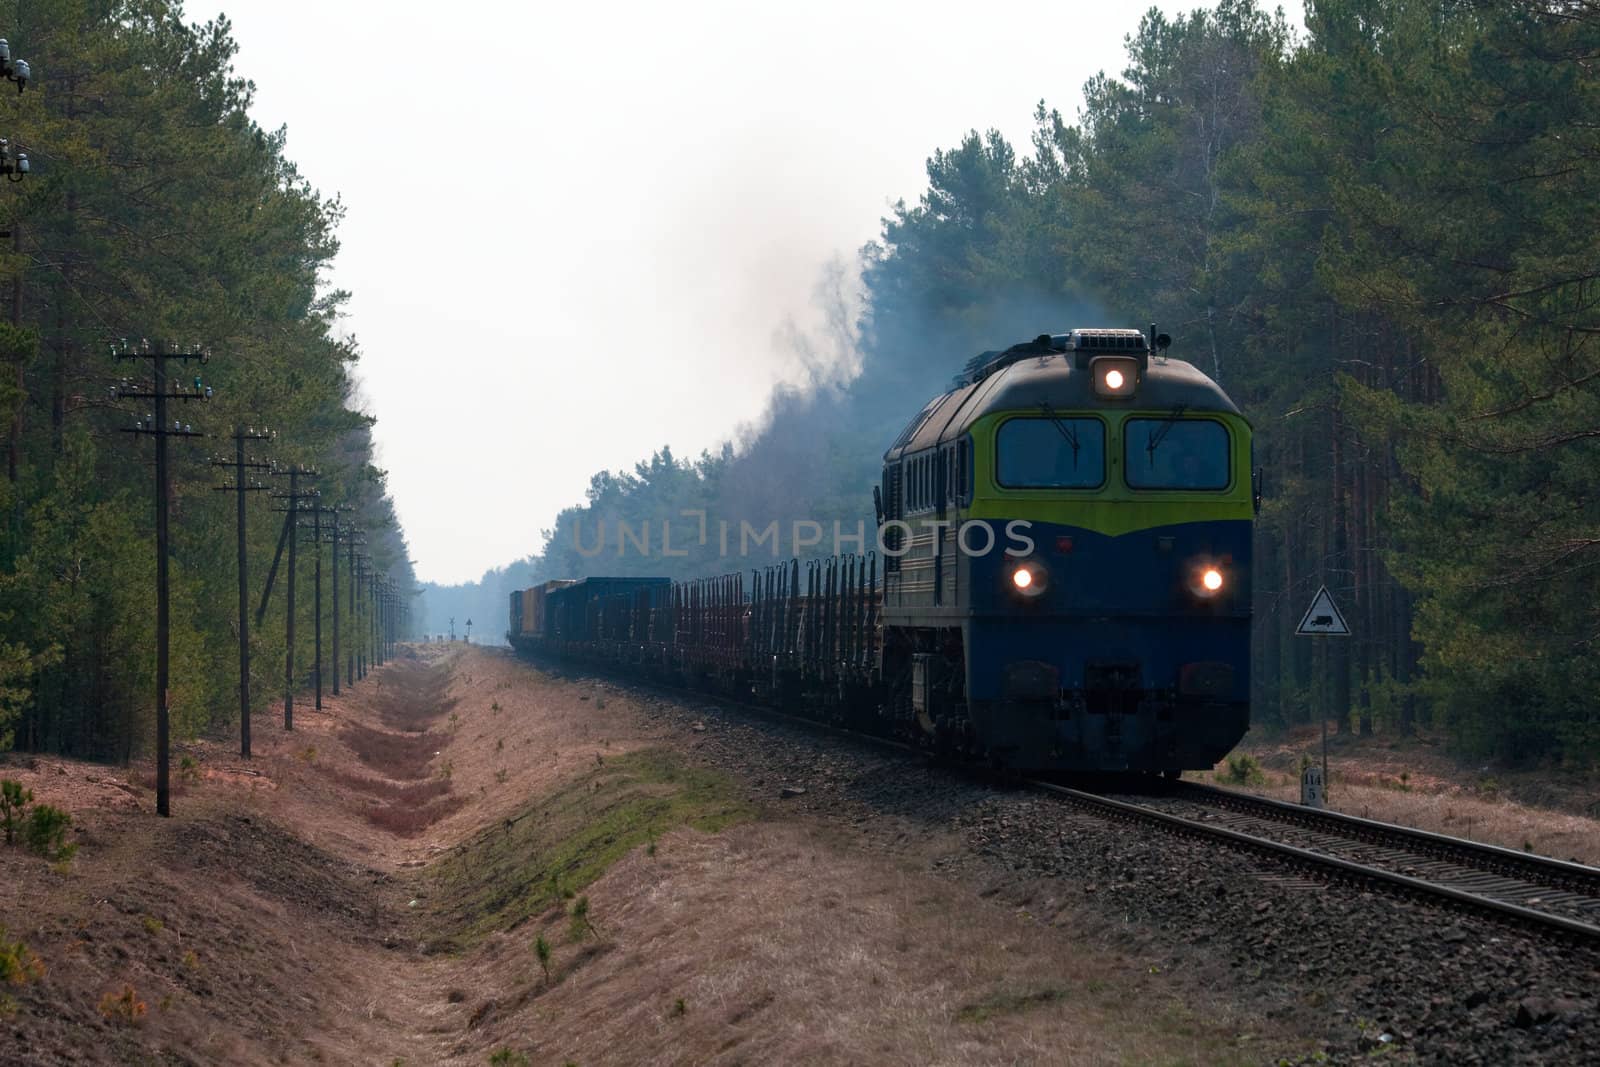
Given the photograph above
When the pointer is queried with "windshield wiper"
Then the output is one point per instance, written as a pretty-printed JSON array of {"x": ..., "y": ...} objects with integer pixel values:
[
  {"x": 1159, "y": 434},
  {"x": 1066, "y": 431}
]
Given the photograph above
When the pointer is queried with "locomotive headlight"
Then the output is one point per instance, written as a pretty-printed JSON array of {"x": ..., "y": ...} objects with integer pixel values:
[
  {"x": 1029, "y": 579},
  {"x": 1115, "y": 377},
  {"x": 1207, "y": 581}
]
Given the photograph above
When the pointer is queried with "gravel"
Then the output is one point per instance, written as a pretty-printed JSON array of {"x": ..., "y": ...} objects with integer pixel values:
[{"x": 1368, "y": 974}]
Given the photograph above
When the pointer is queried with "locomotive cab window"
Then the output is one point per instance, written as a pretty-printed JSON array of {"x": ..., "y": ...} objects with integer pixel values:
[
  {"x": 1045, "y": 453},
  {"x": 1175, "y": 453}
]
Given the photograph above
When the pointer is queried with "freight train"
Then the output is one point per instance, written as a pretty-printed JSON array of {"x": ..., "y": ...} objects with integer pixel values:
[{"x": 1062, "y": 580}]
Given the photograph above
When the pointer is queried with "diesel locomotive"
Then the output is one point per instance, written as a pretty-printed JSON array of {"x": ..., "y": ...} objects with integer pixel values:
[{"x": 1062, "y": 581}]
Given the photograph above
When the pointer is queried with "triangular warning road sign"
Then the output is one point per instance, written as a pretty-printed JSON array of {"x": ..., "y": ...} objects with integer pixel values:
[{"x": 1322, "y": 618}]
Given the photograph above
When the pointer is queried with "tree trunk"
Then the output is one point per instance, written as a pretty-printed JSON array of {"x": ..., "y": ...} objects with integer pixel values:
[
  {"x": 1364, "y": 556},
  {"x": 1338, "y": 658}
]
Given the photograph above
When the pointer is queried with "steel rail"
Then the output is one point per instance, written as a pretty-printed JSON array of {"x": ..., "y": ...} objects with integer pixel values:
[
  {"x": 1546, "y": 870},
  {"x": 1322, "y": 861}
]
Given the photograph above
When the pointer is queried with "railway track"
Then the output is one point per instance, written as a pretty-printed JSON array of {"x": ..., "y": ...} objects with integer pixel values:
[
  {"x": 1550, "y": 896},
  {"x": 1535, "y": 892}
]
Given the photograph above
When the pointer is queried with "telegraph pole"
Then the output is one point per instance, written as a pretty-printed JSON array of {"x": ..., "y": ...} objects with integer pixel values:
[
  {"x": 400, "y": 620},
  {"x": 373, "y": 656},
  {"x": 349, "y": 534},
  {"x": 316, "y": 585},
  {"x": 293, "y": 497},
  {"x": 380, "y": 618},
  {"x": 374, "y": 650},
  {"x": 317, "y": 539},
  {"x": 361, "y": 604},
  {"x": 368, "y": 607},
  {"x": 14, "y": 167},
  {"x": 335, "y": 660},
  {"x": 155, "y": 425},
  {"x": 239, "y": 488},
  {"x": 355, "y": 624},
  {"x": 383, "y": 621}
]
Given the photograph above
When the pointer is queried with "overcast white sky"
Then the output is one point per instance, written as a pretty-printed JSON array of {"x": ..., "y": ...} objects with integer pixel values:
[{"x": 573, "y": 229}]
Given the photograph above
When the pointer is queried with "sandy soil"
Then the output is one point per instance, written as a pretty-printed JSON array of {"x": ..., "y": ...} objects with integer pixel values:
[{"x": 283, "y": 915}]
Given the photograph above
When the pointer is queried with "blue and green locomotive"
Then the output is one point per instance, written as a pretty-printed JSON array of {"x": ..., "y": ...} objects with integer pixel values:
[
  {"x": 1065, "y": 541},
  {"x": 1074, "y": 588}
]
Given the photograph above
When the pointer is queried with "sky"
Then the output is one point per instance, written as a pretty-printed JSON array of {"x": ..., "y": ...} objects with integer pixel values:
[{"x": 573, "y": 232}]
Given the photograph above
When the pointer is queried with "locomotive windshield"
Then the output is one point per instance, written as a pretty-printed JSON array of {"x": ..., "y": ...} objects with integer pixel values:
[
  {"x": 1174, "y": 453},
  {"x": 1051, "y": 453}
]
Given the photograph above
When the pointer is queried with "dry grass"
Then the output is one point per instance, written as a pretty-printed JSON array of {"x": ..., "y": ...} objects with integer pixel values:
[
  {"x": 544, "y": 733},
  {"x": 176, "y": 785},
  {"x": 783, "y": 950},
  {"x": 281, "y": 973},
  {"x": 565, "y": 840},
  {"x": 409, "y": 819},
  {"x": 764, "y": 943},
  {"x": 1499, "y": 822},
  {"x": 1417, "y": 784},
  {"x": 393, "y": 755},
  {"x": 384, "y": 789},
  {"x": 412, "y": 695}
]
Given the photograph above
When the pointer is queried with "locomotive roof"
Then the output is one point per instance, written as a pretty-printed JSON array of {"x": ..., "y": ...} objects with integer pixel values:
[{"x": 1052, "y": 379}]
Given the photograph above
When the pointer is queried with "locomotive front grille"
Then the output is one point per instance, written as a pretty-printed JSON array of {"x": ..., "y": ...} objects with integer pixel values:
[{"x": 1112, "y": 687}]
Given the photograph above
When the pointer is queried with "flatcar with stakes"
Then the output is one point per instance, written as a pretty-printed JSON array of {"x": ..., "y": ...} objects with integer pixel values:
[{"x": 1063, "y": 582}]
